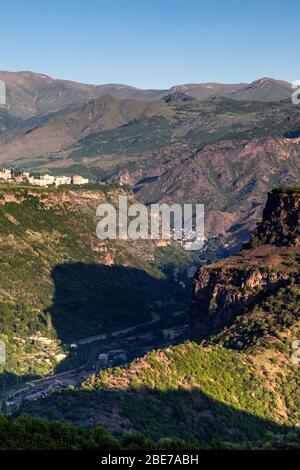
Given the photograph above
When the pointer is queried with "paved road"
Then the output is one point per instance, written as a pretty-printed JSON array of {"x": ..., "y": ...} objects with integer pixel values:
[
  {"x": 52, "y": 378},
  {"x": 91, "y": 339}
]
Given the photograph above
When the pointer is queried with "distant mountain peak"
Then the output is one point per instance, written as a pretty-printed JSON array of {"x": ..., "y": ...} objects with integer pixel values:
[
  {"x": 266, "y": 83},
  {"x": 264, "y": 89}
]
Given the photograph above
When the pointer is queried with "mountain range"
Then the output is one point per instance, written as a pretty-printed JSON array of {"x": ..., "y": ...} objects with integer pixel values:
[
  {"x": 33, "y": 94},
  {"x": 222, "y": 145},
  {"x": 206, "y": 354}
]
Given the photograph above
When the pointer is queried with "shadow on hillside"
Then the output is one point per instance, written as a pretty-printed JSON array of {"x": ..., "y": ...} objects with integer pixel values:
[
  {"x": 157, "y": 414},
  {"x": 9, "y": 379},
  {"x": 92, "y": 299}
]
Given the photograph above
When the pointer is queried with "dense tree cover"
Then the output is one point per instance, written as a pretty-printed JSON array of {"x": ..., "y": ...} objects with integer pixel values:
[
  {"x": 275, "y": 315},
  {"x": 183, "y": 391},
  {"x": 28, "y": 433}
]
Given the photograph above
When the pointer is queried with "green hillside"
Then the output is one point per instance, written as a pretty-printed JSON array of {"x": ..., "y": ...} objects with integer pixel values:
[
  {"x": 235, "y": 386},
  {"x": 238, "y": 379},
  {"x": 136, "y": 136},
  {"x": 185, "y": 391},
  {"x": 28, "y": 433},
  {"x": 59, "y": 283}
]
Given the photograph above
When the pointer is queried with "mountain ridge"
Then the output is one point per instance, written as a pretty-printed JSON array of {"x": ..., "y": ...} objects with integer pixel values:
[
  {"x": 30, "y": 94},
  {"x": 222, "y": 152}
]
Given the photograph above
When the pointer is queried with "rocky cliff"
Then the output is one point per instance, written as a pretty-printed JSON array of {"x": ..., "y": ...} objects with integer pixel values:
[
  {"x": 237, "y": 286},
  {"x": 280, "y": 224}
]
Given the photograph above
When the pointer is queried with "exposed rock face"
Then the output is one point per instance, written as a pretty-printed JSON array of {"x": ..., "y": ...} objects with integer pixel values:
[
  {"x": 230, "y": 177},
  {"x": 223, "y": 290},
  {"x": 220, "y": 294},
  {"x": 281, "y": 219},
  {"x": 177, "y": 96}
]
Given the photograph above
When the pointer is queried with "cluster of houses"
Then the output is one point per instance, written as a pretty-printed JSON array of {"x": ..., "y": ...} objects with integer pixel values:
[{"x": 43, "y": 180}]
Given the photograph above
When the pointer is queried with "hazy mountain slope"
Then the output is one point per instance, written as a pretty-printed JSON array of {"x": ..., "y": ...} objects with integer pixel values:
[
  {"x": 8, "y": 121},
  {"x": 237, "y": 384},
  {"x": 33, "y": 94},
  {"x": 65, "y": 129},
  {"x": 221, "y": 152},
  {"x": 264, "y": 89},
  {"x": 192, "y": 124},
  {"x": 202, "y": 91},
  {"x": 129, "y": 92}
]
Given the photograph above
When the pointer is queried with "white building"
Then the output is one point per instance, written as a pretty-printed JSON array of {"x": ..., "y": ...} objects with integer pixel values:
[
  {"x": 49, "y": 179},
  {"x": 77, "y": 179},
  {"x": 43, "y": 180},
  {"x": 5, "y": 174},
  {"x": 37, "y": 181},
  {"x": 60, "y": 180}
]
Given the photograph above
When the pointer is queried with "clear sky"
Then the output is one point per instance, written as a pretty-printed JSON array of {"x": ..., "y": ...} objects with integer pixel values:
[{"x": 152, "y": 44}]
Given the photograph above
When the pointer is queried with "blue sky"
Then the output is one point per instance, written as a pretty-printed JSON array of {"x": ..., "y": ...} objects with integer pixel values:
[{"x": 152, "y": 44}]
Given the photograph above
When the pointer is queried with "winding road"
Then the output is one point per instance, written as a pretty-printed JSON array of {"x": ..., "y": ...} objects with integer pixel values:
[
  {"x": 30, "y": 385},
  {"x": 91, "y": 339}
]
